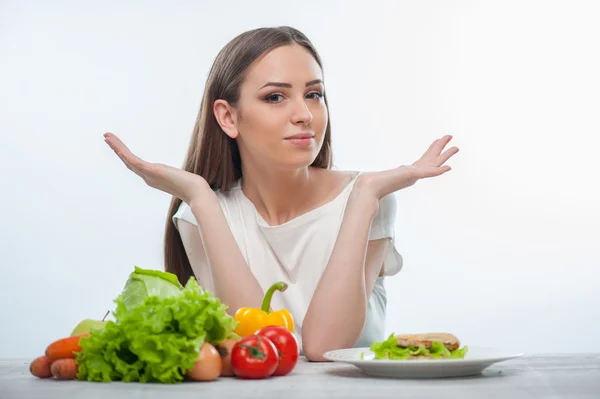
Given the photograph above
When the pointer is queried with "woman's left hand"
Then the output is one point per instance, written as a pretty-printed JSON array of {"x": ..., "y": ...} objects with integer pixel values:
[{"x": 431, "y": 164}]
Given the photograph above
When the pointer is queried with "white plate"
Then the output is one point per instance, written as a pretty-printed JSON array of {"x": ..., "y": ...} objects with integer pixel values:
[{"x": 476, "y": 360}]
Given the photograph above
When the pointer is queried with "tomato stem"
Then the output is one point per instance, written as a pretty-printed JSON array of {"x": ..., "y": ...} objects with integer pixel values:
[
  {"x": 254, "y": 351},
  {"x": 266, "y": 303}
]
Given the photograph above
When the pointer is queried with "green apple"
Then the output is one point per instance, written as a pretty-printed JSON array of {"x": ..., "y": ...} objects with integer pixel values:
[{"x": 87, "y": 325}]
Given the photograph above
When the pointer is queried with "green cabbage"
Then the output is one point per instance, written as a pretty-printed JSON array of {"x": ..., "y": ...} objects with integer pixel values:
[
  {"x": 144, "y": 283},
  {"x": 158, "y": 330},
  {"x": 389, "y": 350}
]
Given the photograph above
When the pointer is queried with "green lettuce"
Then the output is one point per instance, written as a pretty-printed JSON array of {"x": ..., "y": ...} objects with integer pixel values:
[
  {"x": 158, "y": 330},
  {"x": 389, "y": 350}
]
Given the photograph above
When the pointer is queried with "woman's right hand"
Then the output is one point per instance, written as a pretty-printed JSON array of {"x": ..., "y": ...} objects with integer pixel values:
[{"x": 177, "y": 182}]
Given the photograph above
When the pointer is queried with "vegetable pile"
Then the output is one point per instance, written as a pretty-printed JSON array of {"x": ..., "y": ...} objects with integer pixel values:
[{"x": 165, "y": 332}]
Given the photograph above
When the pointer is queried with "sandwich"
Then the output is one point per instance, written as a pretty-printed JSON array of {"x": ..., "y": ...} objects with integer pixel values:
[{"x": 419, "y": 346}]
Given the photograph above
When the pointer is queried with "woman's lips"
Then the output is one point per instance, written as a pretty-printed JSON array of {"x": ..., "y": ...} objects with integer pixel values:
[{"x": 301, "y": 139}]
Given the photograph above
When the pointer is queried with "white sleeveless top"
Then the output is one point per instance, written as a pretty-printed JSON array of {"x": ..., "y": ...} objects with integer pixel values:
[{"x": 297, "y": 252}]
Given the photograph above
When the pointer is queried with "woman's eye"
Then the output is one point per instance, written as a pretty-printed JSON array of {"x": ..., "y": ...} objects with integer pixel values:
[
  {"x": 273, "y": 98},
  {"x": 276, "y": 97}
]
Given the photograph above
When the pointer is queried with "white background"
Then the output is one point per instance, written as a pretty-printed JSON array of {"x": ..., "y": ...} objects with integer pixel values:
[{"x": 502, "y": 251}]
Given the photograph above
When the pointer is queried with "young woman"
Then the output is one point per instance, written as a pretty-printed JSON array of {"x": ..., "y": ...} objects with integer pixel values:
[{"x": 257, "y": 201}]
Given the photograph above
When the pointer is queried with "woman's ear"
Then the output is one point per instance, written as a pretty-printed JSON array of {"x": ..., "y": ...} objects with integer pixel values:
[{"x": 225, "y": 117}]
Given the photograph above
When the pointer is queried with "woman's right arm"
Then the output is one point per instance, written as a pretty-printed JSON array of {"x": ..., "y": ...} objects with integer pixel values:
[
  {"x": 213, "y": 252},
  {"x": 232, "y": 281}
]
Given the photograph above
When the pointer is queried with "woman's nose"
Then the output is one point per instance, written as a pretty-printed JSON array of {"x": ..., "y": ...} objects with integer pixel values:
[{"x": 301, "y": 113}]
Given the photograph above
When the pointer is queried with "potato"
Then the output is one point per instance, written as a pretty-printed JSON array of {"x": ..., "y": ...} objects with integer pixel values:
[
  {"x": 208, "y": 366},
  {"x": 224, "y": 349}
]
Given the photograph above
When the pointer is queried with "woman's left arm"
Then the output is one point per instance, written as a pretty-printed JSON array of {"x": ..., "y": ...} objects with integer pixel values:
[{"x": 337, "y": 311}]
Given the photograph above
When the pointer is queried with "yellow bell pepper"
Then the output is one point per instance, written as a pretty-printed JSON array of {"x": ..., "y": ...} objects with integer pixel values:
[{"x": 251, "y": 320}]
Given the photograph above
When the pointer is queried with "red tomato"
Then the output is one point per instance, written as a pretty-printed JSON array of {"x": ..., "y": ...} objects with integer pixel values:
[
  {"x": 287, "y": 347},
  {"x": 254, "y": 357}
]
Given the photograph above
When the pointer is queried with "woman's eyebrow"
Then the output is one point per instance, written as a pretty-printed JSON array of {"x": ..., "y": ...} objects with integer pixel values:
[{"x": 280, "y": 84}]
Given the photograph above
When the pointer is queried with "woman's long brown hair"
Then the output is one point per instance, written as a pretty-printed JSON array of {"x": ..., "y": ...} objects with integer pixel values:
[{"x": 211, "y": 153}]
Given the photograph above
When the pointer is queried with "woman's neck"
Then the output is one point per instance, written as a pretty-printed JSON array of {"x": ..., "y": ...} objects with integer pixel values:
[{"x": 280, "y": 196}]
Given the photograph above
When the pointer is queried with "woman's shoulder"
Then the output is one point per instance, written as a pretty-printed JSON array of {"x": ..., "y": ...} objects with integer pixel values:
[
  {"x": 386, "y": 214},
  {"x": 226, "y": 201},
  {"x": 343, "y": 181},
  {"x": 336, "y": 180},
  {"x": 184, "y": 212},
  {"x": 336, "y": 173}
]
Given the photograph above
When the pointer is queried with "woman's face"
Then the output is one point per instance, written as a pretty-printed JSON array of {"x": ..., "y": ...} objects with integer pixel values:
[{"x": 281, "y": 116}]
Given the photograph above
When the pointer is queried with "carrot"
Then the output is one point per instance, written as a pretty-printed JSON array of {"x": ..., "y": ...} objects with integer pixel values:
[
  {"x": 65, "y": 347},
  {"x": 64, "y": 369},
  {"x": 40, "y": 367}
]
